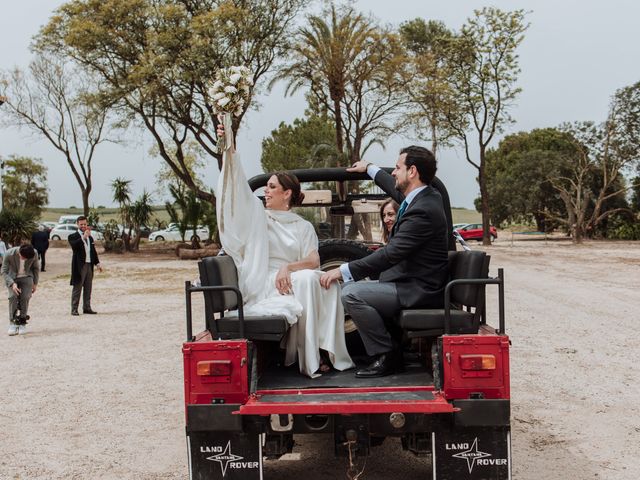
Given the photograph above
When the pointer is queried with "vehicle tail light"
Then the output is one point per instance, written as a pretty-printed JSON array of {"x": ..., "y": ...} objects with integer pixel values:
[
  {"x": 214, "y": 368},
  {"x": 477, "y": 362}
]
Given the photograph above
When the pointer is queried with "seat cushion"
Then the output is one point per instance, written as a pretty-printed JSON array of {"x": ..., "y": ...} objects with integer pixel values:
[
  {"x": 466, "y": 265},
  {"x": 217, "y": 271},
  {"x": 256, "y": 327},
  {"x": 433, "y": 319}
]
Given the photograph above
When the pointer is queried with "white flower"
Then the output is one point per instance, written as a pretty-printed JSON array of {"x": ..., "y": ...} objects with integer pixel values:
[{"x": 232, "y": 89}]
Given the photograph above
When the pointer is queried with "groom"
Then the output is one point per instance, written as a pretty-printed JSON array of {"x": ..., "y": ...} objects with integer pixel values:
[{"x": 412, "y": 266}]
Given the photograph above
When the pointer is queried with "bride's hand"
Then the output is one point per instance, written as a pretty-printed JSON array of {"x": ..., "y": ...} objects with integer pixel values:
[
  {"x": 220, "y": 130},
  {"x": 283, "y": 280}
]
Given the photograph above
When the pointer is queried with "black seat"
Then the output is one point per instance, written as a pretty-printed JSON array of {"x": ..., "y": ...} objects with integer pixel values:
[
  {"x": 220, "y": 273},
  {"x": 465, "y": 303}
]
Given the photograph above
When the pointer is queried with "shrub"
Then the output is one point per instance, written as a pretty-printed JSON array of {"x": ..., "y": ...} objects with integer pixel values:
[
  {"x": 112, "y": 241},
  {"x": 17, "y": 225},
  {"x": 624, "y": 229}
]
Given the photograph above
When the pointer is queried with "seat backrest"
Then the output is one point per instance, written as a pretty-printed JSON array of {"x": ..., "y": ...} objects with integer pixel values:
[
  {"x": 216, "y": 271},
  {"x": 467, "y": 265}
]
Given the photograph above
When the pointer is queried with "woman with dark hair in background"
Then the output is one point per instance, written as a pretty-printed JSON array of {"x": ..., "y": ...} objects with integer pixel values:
[
  {"x": 388, "y": 213},
  {"x": 276, "y": 254}
]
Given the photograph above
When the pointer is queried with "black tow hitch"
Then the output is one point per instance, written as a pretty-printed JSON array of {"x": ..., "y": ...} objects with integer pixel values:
[{"x": 351, "y": 436}]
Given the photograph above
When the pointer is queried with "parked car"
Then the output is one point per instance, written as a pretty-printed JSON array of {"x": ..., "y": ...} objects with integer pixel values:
[
  {"x": 62, "y": 232},
  {"x": 67, "y": 219},
  {"x": 473, "y": 231},
  {"x": 172, "y": 233}
]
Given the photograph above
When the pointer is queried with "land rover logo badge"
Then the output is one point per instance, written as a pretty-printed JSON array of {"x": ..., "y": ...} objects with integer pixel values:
[
  {"x": 471, "y": 455},
  {"x": 224, "y": 458}
]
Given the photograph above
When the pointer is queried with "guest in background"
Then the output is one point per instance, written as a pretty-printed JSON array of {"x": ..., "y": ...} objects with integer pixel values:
[
  {"x": 388, "y": 213},
  {"x": 82, "y": 263},
  {"x": 40, "y": 241}
]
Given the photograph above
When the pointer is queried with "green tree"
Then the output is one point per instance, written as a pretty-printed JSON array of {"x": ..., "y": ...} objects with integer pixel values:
[
  {"x": 194, "y": 161},
  {"x": 187, "y": 210},
  {"x": 483, "y": 72},
  {"x": 210, "y": 220},
  {"x": 140, "y": 213},
  {"x": 122, "y": 196},
  {"x": 517, "y": 175},
  {"x": 133, "y": 214},
  {"x": 605, "y": 151},
  {"x": 595, "y": 188},
  {"x": 24, "y": 184},
  {"x": 635, "y": 195},
  {"x": 427, "y": 44},
  {"x": 307, "y": 143},
  {"x": 54, "y": 100},
  {"x": 354, "y": 69},
  {"x": 156, "y": 66}
]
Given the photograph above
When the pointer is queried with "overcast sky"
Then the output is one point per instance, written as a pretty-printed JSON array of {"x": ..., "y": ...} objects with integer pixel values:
[{"x": 575, "y": 55}]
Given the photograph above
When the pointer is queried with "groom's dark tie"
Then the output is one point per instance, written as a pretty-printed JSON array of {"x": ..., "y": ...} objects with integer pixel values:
[{"x": 403, "y": 207}]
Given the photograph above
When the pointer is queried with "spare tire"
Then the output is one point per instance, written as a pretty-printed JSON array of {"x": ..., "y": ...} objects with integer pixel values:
[{"x": 334, "y": 252}]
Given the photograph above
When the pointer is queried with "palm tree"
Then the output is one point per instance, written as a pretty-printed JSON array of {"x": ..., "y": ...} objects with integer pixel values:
[
  {"x": 140, "y": 213},
  {"x": 122, "y": 196},
  {"x": 322, "y": 58},
  {"x": 186, "y": 211}
]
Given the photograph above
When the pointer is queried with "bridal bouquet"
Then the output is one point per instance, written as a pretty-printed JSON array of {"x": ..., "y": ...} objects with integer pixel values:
[{"x": 230, "y": 92}]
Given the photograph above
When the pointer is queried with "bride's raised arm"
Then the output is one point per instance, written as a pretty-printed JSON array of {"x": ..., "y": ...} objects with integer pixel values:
[
  {"x": 242, "y": 223},
  {"x": 238, "y": 210}
]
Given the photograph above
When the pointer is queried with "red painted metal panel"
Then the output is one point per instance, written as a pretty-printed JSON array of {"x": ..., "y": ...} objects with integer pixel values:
[
  {"x": 491, "y": 383},
  {"x": 203, "y": 389}
]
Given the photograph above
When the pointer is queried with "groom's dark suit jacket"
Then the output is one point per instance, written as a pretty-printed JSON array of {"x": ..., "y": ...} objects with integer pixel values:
[{"x": 415, "y": 259}]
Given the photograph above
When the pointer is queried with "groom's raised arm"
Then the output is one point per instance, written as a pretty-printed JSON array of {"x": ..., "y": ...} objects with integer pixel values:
[{"x": 384, "y": 180}]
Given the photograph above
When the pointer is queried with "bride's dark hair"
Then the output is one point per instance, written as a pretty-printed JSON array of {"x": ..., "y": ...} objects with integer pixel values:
[{"x": 291, "y": 182}]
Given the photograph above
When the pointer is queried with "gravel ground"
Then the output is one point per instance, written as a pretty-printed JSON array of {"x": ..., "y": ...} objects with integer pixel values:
[{"x": 100, "y": 397}]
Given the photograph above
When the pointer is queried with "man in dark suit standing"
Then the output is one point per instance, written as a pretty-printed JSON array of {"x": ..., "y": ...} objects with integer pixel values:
[
  {"x": 40, "y": 241},
  {"x": 82, "y": 262},
  {"x": 412, "y": 266}
]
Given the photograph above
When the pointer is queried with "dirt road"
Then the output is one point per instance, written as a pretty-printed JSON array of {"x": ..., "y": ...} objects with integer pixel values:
[{"x": 100, "y": 397}]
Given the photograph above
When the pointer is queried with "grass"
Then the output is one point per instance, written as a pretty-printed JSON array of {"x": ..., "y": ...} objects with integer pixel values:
[
  {"x": 106, "y": 214},
  {"x": 464, "y": 215}
]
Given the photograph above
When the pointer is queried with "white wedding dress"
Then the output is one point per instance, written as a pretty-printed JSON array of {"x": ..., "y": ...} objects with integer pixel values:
[{"x": 261, "y": 241}]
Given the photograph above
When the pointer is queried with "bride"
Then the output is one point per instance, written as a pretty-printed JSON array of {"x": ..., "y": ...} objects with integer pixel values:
[{"x": 276, "y": 254}]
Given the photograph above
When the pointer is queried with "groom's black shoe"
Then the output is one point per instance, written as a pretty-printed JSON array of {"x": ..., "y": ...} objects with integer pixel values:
[
  {"x": 89, "y": 311},
  {"x": 386, "y": 364}
]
